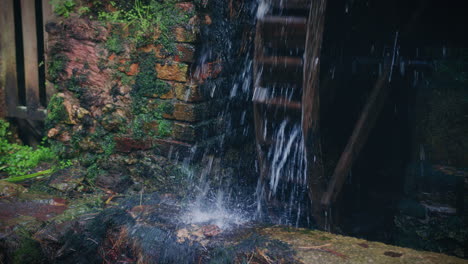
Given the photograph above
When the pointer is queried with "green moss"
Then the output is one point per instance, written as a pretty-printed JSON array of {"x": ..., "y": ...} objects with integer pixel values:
[
  {"x": 56, "y": 66},
  {"x": 115, "y": 44},
  {"x": 146, "y": 81},
  {"x": 149, "y": 114},
  {"x": 28, "y": 252},
  {"x": 79, "y": 207},
  {"x": 56, "y": 112},
  {"x": 92, "y": 172},
  {"x": 75, "y": 85},
  {"x": 166, "y": 107},
  {"x": 164, "y": 128},
  {"x": 108, "y": 145}
]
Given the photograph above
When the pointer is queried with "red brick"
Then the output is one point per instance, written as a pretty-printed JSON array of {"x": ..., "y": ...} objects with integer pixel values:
[
  {"x": 172, "y": 72},
  {"x": 186, "y": 53}
]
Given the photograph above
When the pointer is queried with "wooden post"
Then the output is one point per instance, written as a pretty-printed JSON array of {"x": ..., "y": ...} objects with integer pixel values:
[
  {"x": 311, "y": 109},
  {"x": 359, "y": 137},
  {"x": 8, "y": 77},
  {"x": 31, "y": 65}
]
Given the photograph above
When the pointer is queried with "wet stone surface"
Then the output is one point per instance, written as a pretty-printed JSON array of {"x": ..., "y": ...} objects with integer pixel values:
[{"x": 148, "y": 228}]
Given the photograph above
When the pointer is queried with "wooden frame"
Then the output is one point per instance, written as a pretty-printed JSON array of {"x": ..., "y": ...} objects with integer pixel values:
[{"x": 33, "y": 109}]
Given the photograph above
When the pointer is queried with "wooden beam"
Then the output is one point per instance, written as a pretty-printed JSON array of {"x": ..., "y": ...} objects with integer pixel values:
[
  {"x": 31, "y": 64},
  {"x": 359, "y": 137},
  {"x": 311, "y": 108},
  {"x": 8, "y": 77},
  {"x": 47, "y": 15}
]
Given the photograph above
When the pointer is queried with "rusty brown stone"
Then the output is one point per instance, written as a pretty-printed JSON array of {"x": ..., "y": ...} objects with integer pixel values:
[
  {"x": 188, "y": 93},
  {"x": 186, "y": 7},
  {"x": 168, "y": 147},
  {"x": 190, "y": 112},
  {"x": 156, "y": 49},
  {"x": 37, "y": 206},
  {"x": 84, "y": 29},
  {"x": 84, "y": 60},
  {"x": 208, "y": 20},
  {"x": 169, "y": 95},
  {"x": 185, "y": 53},
  {"x": 193, "y": 132},
  {"x": 52, "y": 133},
  {"x": 133, "y": 69},
  {"x": 185, "y": 35},
  {"x": 172, "y": 72},
  {"x": 128, "y": 144}
]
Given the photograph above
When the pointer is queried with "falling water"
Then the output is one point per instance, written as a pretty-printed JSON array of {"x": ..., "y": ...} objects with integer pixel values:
[{"x": 284, "y": 184}]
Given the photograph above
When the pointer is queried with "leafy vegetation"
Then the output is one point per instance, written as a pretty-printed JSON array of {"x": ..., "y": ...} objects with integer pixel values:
[
  {"x": 148, "y": 116},
  {"x": 63, "y": 7},
  {"x": 145, "y": 18},
  {"x": 16, "y": 159},
  {"x": 56, "y": 111}
]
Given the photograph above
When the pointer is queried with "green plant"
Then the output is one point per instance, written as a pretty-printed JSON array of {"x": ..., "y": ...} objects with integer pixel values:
[
  {"x": 146, "y": 82},
  {"x": 17, "y": 159},
  {"x": 164, "y": 128},
  {"x": 115, "y": 44},
  {"x": 83, "y": 10},
  {"x": 56, "y": 111},
  {"x": 144, "y": 18},
  {"x": 63, "y": 7}
]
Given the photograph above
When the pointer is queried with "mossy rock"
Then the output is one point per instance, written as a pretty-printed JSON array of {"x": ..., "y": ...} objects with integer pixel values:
[{"x": 321, "y": 247}]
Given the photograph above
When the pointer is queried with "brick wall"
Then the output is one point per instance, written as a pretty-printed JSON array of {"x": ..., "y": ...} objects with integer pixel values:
[{"x": 100, "y": 80}]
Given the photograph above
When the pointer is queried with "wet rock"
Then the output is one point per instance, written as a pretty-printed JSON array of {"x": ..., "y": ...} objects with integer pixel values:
[
  {"x": 191, "y": 234},
  {"x": 211, "y": 230},
  {"x": 38, "y": 206},
  {"x": 189, "y": 93},
  {"x": 206, "y": 71},
  {"x": 8, "y": 189},
  {"x": 112, "y": 122},
  {"x": 128, "y": 144},
  {"x": 186, "y": 52},
  {"x": 117, "y": 181},
  {"x": 67, "y": 179}
]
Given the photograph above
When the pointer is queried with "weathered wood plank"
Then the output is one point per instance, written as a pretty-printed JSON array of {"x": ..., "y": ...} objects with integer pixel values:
[
  {"x": 22, "y": 112},
  {"x": 47, "y": 15},
  {"x": 8, "y": 77},
  {"x": 31, "y": 64},
  {"x": 359, "y": 137},
  {"x": 311, "y": 109},
  {"x": 256, "y": 107}
]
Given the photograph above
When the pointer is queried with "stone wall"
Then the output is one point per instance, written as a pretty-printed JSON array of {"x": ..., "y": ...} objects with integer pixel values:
[
  {"x": 127, "y": 101},
  {"x": 130, "y": 95}
]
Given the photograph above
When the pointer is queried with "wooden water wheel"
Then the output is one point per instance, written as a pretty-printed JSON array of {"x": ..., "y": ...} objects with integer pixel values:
[{"x": 286, "y": 70}]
